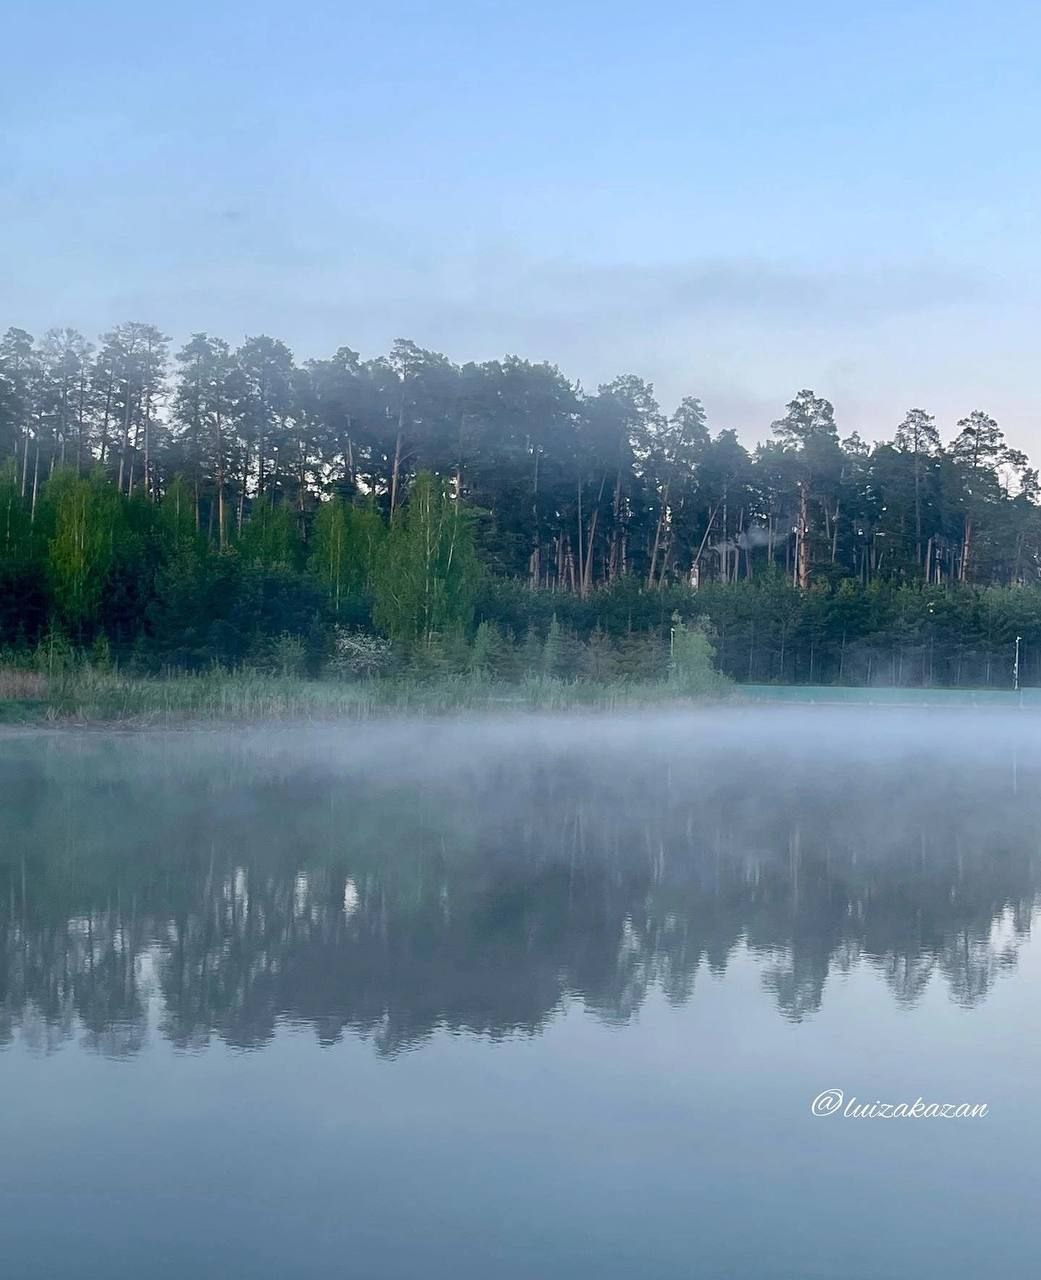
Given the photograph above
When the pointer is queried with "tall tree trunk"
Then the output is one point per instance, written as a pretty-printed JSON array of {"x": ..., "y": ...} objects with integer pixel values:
[
  {"x": 708, "y": 529},
  {"x": 966, "y": 550},
  {"x": 347, "y": 452},
  {"x": 587, "y": 571},
  {"x": 148, "y": 445},
  {"x": 399, "y": 442},
  {"x": 222, "y": 529},
  {"x": 616, "y": 558},
  {"x": 25, "y": 458},
  {"x": 105, "y": 421},
  {"x": 36, "y": 482},
  {"x": 395, "y": 469},
  {"x": 657, "y": 536},
  {"x": 133, "y": 458},
  {"x": 726, "y": 549},
  {"x": 802, "y": 559},
  {"x": 535, "y": 559},
  {"x": 80, "y": 404},
  {"x": 581, "y": 559},
  {"x": 126, "y": 438},
  {"x": 242, "y": 491},
  {"x": 300, "y": 491}
]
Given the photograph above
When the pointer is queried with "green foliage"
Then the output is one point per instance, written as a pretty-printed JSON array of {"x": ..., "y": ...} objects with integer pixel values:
[
  {"x": 218, "y": 610},
  {"x": 553, "y": 649},
  {"x": 82, "y": 692},
  {"x": 562, "y": 652},
  {"x": 89, "y": 526},
  {"x": 531, "y": 653},
  {"x": 642, "y": 657},
  {"x": 269, "y": 538},
  {"x": 439, "y": 505},
  {"x": 288, "y": 655},
  {"x": 444, "y": 655},
  {"x": 100, "y": 653},
  {"x": 426, "y": 570},
  {"x": 600, "y": 657},
  {"x": 54, "y": 655},
  {"x": 16, "y": 544},
  {"x": 488, "y": 656},
  {"x": 345, "y": 544},
  {"x": 691, "y": 665},
  {"x": 178, "y": 532},
  {"x": 24, "y": 591}
]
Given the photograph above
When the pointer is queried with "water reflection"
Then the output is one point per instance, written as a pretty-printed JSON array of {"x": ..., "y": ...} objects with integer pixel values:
[{"x": 387, "y": 881}]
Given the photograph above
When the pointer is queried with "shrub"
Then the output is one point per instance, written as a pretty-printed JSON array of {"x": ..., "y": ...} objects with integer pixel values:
[
  {"x": 288, "y": 654},
  {"x": 691, "y": 660},
  {"x": 357, "y": 655}
]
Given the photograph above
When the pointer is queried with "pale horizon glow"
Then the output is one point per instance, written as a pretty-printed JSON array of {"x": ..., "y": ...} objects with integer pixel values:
[{"x": 733, "y": 203}]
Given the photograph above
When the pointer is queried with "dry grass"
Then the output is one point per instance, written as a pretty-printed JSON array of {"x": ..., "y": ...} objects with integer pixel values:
[
  {"x": 18, "y": 685},
  {"x": 83, "y": 694}
]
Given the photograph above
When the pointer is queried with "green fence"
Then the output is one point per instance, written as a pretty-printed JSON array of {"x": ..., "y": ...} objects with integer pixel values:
[{"x": 890, "y": 697}]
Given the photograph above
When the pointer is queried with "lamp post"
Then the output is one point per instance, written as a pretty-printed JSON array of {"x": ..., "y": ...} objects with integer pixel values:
[
  {"x": 1015, "y": 666},
  {"x": 676, "y": 620}
]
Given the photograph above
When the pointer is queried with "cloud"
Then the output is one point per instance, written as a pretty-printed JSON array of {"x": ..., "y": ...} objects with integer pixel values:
[
  {"x": 744, "y": 333},
  {"x": 747, "y": 288}
]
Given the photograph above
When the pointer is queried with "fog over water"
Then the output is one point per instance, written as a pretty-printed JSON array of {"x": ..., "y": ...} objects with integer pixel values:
[
  {"x": 387, "y": 879},
  {"x": 521, "y": 996}
]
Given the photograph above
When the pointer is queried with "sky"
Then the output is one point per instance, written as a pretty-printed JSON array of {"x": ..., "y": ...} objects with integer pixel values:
[{"x": 732, "y": 200}]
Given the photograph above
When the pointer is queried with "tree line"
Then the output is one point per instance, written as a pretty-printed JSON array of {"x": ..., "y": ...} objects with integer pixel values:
[{"x": 147, "y": 493}]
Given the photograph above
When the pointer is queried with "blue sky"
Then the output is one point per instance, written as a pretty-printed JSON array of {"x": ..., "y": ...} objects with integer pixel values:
[{"x": 733, "y": 200}]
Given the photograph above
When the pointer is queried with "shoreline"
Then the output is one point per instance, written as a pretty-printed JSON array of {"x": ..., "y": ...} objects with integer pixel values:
[
  {"x": 89, "y": 699},
  {"x": 81, "y": 699}
]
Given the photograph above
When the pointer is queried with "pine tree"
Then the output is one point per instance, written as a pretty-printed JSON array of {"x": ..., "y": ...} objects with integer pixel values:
[{"x": 488, "y": 653}]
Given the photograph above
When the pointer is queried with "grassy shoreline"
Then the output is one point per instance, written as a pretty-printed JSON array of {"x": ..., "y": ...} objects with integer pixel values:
[{"x": 86, "y": 695}]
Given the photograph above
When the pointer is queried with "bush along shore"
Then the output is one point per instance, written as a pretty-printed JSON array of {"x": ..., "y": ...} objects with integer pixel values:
[{"x": 364, "y": 678}]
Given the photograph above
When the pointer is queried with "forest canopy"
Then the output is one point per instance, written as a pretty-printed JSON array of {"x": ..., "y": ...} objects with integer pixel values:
[{"x": 213, "y": 501}]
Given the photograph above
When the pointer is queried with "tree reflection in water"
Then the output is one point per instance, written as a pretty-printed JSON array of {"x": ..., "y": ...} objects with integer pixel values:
[{"x": 389, "y": 880}]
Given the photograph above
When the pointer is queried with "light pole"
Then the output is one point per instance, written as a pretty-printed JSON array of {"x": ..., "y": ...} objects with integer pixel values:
[{"x": 1015, "y": 666}]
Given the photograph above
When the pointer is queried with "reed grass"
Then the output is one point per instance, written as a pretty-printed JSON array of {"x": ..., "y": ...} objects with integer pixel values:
[
  {"x": 86, "y": 694},
  {"x": 19, "y": 685}
]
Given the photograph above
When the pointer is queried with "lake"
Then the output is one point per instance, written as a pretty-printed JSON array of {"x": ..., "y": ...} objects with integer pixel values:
[{"x": 537, "y": 997}]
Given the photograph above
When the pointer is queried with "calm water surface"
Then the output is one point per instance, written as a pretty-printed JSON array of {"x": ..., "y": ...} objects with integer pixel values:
[{"x": 538, "y": 998}]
